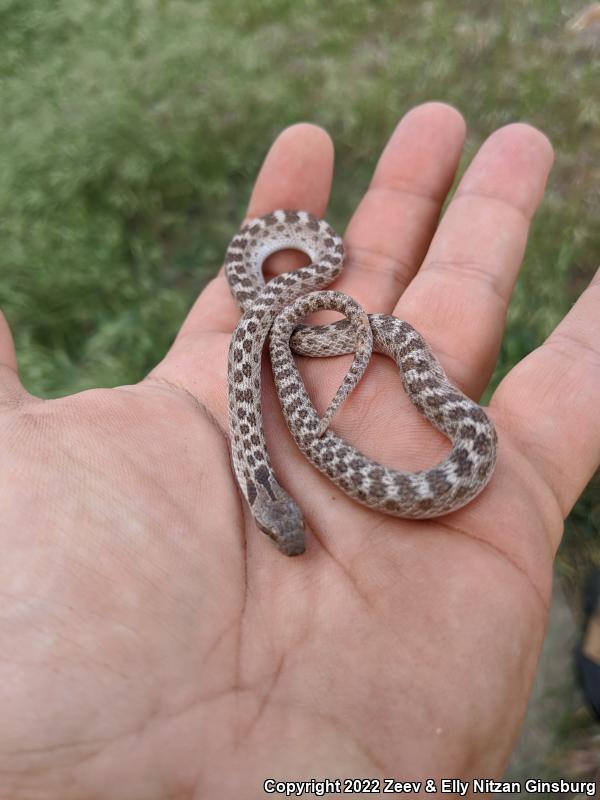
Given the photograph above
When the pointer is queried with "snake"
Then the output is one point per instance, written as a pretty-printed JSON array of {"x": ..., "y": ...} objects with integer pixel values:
[{"x": 274, "y": 309}]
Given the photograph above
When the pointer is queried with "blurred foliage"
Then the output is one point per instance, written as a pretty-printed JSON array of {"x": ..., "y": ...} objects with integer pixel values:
[{"x": 132, "y": 131}]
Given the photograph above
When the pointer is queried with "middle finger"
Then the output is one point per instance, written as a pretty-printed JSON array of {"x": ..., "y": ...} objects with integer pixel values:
[
  {"x": 390, "y": 231},
  {"x": 459, "y": 297}
]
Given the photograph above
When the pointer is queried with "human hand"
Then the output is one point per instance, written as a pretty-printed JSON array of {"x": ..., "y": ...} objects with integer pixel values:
[{"x": 155, "y": 644}]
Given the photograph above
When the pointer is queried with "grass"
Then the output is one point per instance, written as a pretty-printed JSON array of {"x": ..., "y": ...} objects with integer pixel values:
[{"x": 132, "y": 131}]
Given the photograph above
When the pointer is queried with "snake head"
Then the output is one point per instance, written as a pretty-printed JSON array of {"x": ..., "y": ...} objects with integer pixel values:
[{"x": 282, "y": 522}]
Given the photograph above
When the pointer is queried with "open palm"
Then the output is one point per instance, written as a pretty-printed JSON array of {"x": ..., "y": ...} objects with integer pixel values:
[{"x": 156, "y": 645}]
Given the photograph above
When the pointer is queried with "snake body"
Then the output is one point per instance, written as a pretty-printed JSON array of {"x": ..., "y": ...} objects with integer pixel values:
[{"x": 277, "y": 308}]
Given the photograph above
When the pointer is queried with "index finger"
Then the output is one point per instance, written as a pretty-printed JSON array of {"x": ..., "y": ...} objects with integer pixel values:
[{"x": 296, "y": 173}]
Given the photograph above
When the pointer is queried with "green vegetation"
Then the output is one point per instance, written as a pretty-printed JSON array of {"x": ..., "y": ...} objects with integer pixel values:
[
  {"x": 132, "y": 130},
  {"x": 131, "y": 133}
]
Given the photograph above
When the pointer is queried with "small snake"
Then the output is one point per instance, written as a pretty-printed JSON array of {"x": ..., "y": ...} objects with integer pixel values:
[{"x": 277, "y": 307}]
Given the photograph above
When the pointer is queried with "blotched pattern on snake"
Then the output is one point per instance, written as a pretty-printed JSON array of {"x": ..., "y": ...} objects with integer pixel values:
[{"x": 277, "y": 307}]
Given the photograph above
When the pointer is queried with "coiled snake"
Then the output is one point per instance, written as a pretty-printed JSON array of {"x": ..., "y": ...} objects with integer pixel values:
[{"x": 277, "y": 306}]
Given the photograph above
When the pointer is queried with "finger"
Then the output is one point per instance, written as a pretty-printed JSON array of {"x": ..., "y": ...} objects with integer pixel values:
[
  {"x": 459, "y": 297},
  {"x": 296, "y": 173},
  {"x": 550, "y": 401},
  {"x": 389, "y": 234}
]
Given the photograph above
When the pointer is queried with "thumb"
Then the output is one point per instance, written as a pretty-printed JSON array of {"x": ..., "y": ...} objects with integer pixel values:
[{"x": 10, "y": 386}]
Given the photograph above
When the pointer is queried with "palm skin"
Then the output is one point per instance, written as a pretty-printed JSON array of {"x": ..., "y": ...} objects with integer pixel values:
[{"x": 156, "y": 645}]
